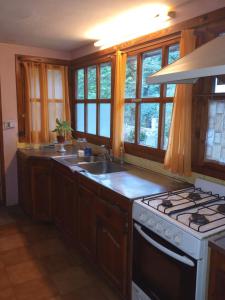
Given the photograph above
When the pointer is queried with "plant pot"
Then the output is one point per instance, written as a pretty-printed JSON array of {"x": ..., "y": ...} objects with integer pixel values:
[{"x": 60, "y": 139}]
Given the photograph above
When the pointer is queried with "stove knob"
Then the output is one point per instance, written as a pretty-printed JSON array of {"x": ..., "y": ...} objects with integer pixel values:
[
  {"x": 168, "y": 233},
  {"x": 151, "y": 223},
  {"x": 142, "y": 218},
  {"x": 159, "y": 228},
  {"x": 177, "y": 239}
]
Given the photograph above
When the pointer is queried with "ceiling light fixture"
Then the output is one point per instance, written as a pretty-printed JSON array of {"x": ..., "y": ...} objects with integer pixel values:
[{"x": 132, "y": 24}]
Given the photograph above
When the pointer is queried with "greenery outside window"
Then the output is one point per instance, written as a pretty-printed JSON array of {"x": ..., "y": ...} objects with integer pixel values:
[
  {"x": 93, "y": 101},
  {"x": 148, "y": 107}
]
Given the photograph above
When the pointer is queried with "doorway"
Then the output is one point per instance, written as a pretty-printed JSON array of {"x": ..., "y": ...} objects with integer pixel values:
[{"x": 2, "y": 165}]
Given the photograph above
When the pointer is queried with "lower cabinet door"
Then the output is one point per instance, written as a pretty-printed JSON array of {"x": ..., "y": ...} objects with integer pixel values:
[
  {"x": 41, "y": 189},
  {"x": 86, "y": 221},
  {"x": 58, "y": 199},
  {"x": 111, "y": 247}
]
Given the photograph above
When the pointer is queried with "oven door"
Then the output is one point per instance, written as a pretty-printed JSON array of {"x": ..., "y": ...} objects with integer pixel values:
[{"x": 161, "y": 270}]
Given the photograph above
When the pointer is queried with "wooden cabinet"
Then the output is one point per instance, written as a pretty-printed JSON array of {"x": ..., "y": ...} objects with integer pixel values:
[
  {"x": 41, "y": 189},
  {"x": 65, "y": 201},
  {"x": 24, "y": 183},
  {"x": 111, "y": 242},
  {"x": 86, "y": 221},
  {"x": 95, "y": 218},
  {"x": 35, "y": 186},
  {"x": 217, "y": 270}
]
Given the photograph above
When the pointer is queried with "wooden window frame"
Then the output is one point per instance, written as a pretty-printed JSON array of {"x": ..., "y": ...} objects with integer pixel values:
[
  {"x": 202, "y": 92},
  {"x": 21, "y": 108},
  {"x": 93, "y": 138},
  {"x": 136, "y": 149}
]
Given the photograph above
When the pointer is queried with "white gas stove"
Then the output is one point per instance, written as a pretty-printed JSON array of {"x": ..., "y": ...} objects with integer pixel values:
[{"x": 182, "y": 221}]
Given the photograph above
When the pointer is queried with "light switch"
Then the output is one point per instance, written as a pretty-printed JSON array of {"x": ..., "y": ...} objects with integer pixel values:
[{"x": 9, "y": 124}]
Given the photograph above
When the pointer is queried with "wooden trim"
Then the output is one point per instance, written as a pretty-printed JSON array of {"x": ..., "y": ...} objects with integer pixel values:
[
  {"x": 37, "y": 59},
  {"x": 2, "y": 161},
  {"x": 144, "y": 152}
]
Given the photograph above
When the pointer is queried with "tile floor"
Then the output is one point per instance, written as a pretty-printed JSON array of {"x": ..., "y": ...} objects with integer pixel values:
[{"x": 35, "y": 264}]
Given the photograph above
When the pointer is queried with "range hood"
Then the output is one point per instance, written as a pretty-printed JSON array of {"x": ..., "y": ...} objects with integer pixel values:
[{"x": 207, "y": 60}]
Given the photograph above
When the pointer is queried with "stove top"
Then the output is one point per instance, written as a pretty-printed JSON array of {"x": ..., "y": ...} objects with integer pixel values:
[{"x": 199, "y": 210}]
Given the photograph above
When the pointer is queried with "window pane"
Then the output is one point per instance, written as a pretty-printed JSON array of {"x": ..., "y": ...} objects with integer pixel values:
[
  {"x": 168, "y": 109},
  {"x": 36, "y": 116},
  {"x": 173, "y": 53},
  {"x": 105, "y": 81},
  {"x": 131, "y": 75},
  {"x": 215, "y": 138},
  {"x": 91, "y": 118},
  {"x": 219, "y": 86},
  {"x": 129, "y": 122},
  {"x": 55, "y": 86},
  {"x": 55, "y": 110},
  {"x": 80, "y": 117},
  {"x": 151, "y": 63},
  {"x": 170, "y": 90},
  {"x": 80, "y": 84},
  {"x": 105, "y": 111},
  {"x": 149, "y": 122},
  {"x": 35, "y": 83},
  {"x": 91, "y": 73}
]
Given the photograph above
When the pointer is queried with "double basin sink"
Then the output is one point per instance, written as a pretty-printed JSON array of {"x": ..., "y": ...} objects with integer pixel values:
[{"x": 93, "y": 164}]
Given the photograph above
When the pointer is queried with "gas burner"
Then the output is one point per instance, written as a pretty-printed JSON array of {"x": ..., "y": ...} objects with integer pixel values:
[
  {"x": 198, "y": 219},
  {"x": 221, "y": 208},
  {"x": 166, "y": 203},
  {"x": 194, "y": 196}
]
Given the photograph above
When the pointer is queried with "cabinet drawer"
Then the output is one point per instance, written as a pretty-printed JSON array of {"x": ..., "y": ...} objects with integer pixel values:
[{"x": 113, "y": 214}]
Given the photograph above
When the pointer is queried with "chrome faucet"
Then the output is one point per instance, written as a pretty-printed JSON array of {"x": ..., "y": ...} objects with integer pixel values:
[{"x": 106, "y": 153}]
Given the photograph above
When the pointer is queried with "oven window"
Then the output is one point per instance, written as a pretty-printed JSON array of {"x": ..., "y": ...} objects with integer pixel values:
[{"x": 159, "y": 275}]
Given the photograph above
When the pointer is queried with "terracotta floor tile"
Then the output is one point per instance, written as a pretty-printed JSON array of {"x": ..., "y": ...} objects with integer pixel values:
[
  {"x": 4, "y": 280},
  {"x": 49, "y": 247},
  {"x": 16, "y": 256},
  {"x": 56, "y": 263},
  {"x": 12, "y": 241},
  {"x": 39, "y": 289},
  {"x": 8, "y": 229},
  {"x": 5, "y": 218},
  {"x": 7, "y": 294},
  {"x": 71, "y": 279},
  {"x": 25, "y": 271},
  {"x": 39, "y": 232},
  {"x": 90, "y": 293}
]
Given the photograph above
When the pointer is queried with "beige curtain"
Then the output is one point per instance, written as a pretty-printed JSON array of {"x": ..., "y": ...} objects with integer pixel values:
[
  {"x": 178, "y": 155},
  {"x": 46, "y": 98},
  {"x": 118, "y": 114}
]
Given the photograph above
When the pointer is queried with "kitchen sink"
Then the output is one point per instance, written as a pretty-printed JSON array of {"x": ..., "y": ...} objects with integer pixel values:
[
  {"x": 103, "y": 167},
  {"x": 77, "y": 160}
]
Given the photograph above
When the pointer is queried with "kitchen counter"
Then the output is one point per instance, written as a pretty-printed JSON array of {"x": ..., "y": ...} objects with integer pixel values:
[
  {"x": 47, "y": 153},
  {"x": 133, "y": 183}
]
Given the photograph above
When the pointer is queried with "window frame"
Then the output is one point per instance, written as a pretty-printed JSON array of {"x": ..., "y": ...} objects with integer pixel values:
[
  {"x": 136, "y": 149},
  {"x": 21, "y": 105},
  {"x": 93, "y": 138}
]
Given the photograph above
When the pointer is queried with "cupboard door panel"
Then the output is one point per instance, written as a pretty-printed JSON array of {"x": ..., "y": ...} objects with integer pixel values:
[
  {"x": 41, "y": 186},
  {"x": 58, "y": 194},
  {"x": 86, "y": 221},
  {"x": 111, "y": 247}
]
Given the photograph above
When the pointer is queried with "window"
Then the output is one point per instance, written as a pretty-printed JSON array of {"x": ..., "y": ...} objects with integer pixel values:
[
  {"x": 42, "y": 97},
  {"x": 93, "y": 100},
  {"x": 148, "y": 107},
  {"x": 215, "y": 135}
]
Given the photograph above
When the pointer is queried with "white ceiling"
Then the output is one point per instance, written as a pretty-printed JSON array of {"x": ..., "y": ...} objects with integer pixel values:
[{"x": 62, "y": 24}]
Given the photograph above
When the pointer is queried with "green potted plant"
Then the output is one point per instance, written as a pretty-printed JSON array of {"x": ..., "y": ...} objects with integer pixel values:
[{"x": 62, "y": 129}]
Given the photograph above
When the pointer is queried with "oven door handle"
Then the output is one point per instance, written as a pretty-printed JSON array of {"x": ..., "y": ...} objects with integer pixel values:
[{"x": 181, "y": 258}]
